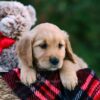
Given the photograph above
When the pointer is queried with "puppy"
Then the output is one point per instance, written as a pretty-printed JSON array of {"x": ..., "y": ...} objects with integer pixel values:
[{"x": 48, "y": 48}]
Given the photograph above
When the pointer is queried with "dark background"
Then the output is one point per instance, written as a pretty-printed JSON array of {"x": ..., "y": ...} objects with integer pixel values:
[{"x": 80, "y": 18}]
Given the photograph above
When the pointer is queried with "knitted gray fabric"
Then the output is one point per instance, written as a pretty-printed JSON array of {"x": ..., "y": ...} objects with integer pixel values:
[{"x": 8, "y": 59}]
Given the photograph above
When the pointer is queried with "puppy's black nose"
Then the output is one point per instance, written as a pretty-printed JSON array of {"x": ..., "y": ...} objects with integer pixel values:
[{"x": 54, "y": 60}]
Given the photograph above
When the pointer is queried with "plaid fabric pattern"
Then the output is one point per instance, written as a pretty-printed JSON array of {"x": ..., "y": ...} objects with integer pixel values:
[{"x": 48, "y": 86}]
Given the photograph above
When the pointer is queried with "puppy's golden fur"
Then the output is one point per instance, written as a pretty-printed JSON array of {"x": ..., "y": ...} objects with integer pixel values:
[{"x": 48, "y": 48}]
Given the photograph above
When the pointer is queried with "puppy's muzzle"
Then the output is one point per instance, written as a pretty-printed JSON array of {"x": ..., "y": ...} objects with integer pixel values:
[{"x": 54, "y": 60}]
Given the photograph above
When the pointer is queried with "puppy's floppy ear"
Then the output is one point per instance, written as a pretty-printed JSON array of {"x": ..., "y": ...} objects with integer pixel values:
[
  {"x": 69, "y": 52},
  {"x": 24, "y": 50}
]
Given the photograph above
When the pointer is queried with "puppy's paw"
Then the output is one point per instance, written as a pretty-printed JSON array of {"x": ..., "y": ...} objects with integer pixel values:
[
  {"x": 28, "y": 76},
  {"x": 69, "y": 81}
]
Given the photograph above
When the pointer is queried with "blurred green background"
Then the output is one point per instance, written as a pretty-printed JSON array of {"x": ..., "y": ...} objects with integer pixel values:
[{"x": 80, "y": 18}]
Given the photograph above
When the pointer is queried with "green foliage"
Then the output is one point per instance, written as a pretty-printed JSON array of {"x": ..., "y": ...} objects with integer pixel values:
[{"x": 80, "y": 18}]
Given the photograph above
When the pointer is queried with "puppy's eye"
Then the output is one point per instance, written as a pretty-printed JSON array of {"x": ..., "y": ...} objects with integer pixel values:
[
  {"x": 43, "y": 46},
  {"x": 60, "y": 45}
]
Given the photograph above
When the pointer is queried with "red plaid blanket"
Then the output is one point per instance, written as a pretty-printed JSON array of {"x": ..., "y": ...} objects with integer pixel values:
[{"x": 48, "y": 86}]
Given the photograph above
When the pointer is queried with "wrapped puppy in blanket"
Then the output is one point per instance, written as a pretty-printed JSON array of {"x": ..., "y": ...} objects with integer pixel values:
[{"x": 15, "y": 19}]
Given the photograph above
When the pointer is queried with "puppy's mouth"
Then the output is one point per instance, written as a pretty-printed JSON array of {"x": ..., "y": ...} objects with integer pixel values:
[
  {"x": 48, "y": 68},
  {"x": 53, "y": 68}
]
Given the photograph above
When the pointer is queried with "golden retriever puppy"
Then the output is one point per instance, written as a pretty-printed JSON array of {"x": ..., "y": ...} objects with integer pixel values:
[{"x": 48, "y": 48}]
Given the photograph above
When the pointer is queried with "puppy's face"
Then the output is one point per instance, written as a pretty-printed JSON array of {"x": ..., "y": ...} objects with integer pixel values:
[
  {"x": 47, "y": 44},
  {"x": 49, "y": 49}
]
